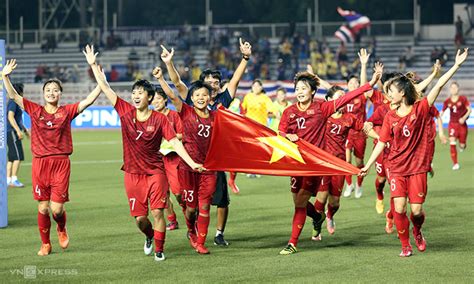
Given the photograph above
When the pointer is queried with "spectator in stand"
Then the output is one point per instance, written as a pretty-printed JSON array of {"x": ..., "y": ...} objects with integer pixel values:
[
  {"x": 459, "y": 36},
  {"x": 40, "y": 73},
  {"x": 443, "y": 56},
  {"x": 286, "y": 52},
  {"x": 434, "y": 55},
  {"x": 342, "y": 55},
  {"x": 406, "y": 59},
  {"x": 281, "y": 70},
  {"x": 133, "y": 55}
]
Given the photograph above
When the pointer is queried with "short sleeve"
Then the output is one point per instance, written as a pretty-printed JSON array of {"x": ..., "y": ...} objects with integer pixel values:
[
  {"x": 122, "y": 107},
  {"x": 357, "y": 124},
  {"x": 445, "y": 105},
  {"x": 72, "y": 110},
  {"x": 12, "y": 106},
  {"x": 178, "y": 123},
  {"x": 245, "y": 102},
  {"x": 283, "y": 126},
  {"x": 466, "y": 102},
  {"x": 423, "y": 107},
  {"x": 30, "y": 107},
  {"x": 434, "y": 111},
  {"x": 224, "y": 99},
  {"x": 166, "y": 128},
  {"x": 185, "y": 111},
  {"x": 385, "y": 134}
]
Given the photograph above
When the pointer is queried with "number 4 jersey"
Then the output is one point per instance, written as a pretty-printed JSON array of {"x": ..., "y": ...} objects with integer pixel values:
[
  {"x": 142, "y": 140},
  {"x": 196, "y": 135}
]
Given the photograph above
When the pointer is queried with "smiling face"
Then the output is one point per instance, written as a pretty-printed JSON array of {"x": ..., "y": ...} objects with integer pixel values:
[
  {"x": 159, "y": 103},
  {"x": 353, "y": 84},
  {"x": 281, "y": 96},
  {"x": 214, "y": 83},
  {"x": 303, "y": 92},
  {"x": 201, "y": 98},
  {"x": 140, "y": 98},
  {"x": 395, "y": 95},
  {"x": 52, "y": 93},
  {"x": 454, "y": 89}
]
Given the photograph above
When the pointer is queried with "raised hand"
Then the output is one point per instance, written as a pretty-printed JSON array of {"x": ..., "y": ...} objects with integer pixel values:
[
  {"x": 90, "y": 55},
  {"x": 436, "y": 67},
  {"x": 157, "y": 73},
  {"x": 461, "y": 57},
  {"x": 9, "y": 67},
  {"x": 363, "y": 56},
  {"x": 245, "y": 48},
  {"x": 378, "y": 70},
  {"x": 102, "y": 73},
  {"x": 166, "y": 55}
]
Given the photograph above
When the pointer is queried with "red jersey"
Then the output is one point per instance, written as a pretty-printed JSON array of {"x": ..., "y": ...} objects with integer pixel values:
[
  {"x": 175, "y": 121},
  {"x": 377, "y": 99},
  {"x": 50, "y": 132},
  {"x": 379, "y": 114},
  {"x": 196, "y": 135},
  {"x": 434, "y": 113},
  {"x": 456, "y": 109},
  {"x": 337, "y": 130},
  {"x": 310, "y": 124},
  {"x": 142, "y": 139},
  {"x": 409, "y": 140}
]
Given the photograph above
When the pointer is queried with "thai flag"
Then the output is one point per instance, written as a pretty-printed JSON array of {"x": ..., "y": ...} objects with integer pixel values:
[
  {"x": 355, "y": 20},
  {"x": 345, "y": 34}
]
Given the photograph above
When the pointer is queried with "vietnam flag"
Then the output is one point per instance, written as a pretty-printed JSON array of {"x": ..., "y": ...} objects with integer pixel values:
[{"x": 239, "y": 144}]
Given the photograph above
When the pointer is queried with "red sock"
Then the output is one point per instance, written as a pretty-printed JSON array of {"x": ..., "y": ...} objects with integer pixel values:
[
  {"x": 349, "y": 180},
  {"x": 159, "y": 240},
  {"x": 331, "y": 211},
  {"x": 417, "y": 221},
  {"x": 403, "y": 227},
  {"x": 44, "y": 226},
  {"x": 190, "y": 224},
  {"x": 390, "y": 211},
  {"x": 61, "y": 220},
  {"x": 318, "y": 206},
  {"x": 454, "y": 154},
  {"x": 310, "y": 211},
  {"x": 379, "y": 189},
  {"x": 360, "y": 178},
  {"x": 171, "y": 218},
  {"x": 202, "y": 226},
  {"x": 298, "y": 224}
]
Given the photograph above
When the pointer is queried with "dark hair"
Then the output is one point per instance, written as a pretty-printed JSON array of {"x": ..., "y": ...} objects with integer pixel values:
[
  {"x": 216, "y": 74},
  {"x": 387, "y": 76},
  {"x": 19, "y": 88},
  {"x": 308, "y": 78},
  {"x": 330, "y": 93},
  {"x": 455, "y": 82},
  {"x": 260, "y": 83},
  {"x": 196, "y": 85},
  {"x": 160, "y": 92},
  {"x": 223, "y": 82},
  {"x": 352, "y": 76},
  {"x": 405, "y": 84},
  {"x": 56, "y": 81},
  {"x": 147, "y": 86},
  {"x": 281, "y": 89}
]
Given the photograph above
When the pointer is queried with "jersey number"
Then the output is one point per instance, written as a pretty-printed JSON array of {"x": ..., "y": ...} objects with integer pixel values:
[
  {"x": 336, "y": 129},
  {"x": 140, "y": 133},
  {"x": 301, "y": 121},
  {"x": 132, "y": 203},
  {"x": 38, "y": 190},
  {"x": 189, "y": 195},
  {"x": 204, "y": 130},
  {"x": 455, "y": 109},
  {"x": 350, "y": 107},
  {"x": 406, "y": 132}
]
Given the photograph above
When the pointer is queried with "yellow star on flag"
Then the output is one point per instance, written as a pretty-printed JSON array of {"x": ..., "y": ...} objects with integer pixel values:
[{"x": 282, "y": 147}]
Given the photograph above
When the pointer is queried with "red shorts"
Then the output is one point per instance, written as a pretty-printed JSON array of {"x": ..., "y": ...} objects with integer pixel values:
[
  {"x": 414, "y": 187},
  {"x": 197, "y": 188},
  {"x": 171, "y": 162},
  {"x": 333, "y": 184},
  {"x": 357, "y": 143},
  {"x": 379, "y": 165},
  {"x": 143, "y": 188},
  {"x": 50, "y": 178},
  {"x": 458, "y": 131},
  {"x": 311, "y": 184}
]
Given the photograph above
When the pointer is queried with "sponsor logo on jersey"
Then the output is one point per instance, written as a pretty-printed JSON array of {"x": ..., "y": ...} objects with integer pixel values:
[
  {"x": 58, "y": 115},
  {"x": 150, "y": 128},
  {"x": 310, "y": 111}
]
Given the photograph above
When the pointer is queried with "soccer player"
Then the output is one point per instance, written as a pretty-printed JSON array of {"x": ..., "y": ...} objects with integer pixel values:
[
  {"x": 459, "y": 111},
  {"x": 198, "y": 188},
  {"x": 15, "y": 133},
  {"x": 257, "y": 105},
  {"x": 170, "y": 158},
  {"x": 337, "y": 130},
  {"x": 145, "y": 178},
  {"x": 219, "y": 97},
  {"x": 51, "y": 145},
  {"x": 307, "y": 120},
  {"x": 279, "y": 105},
  {"x": 407, "y": 129}
]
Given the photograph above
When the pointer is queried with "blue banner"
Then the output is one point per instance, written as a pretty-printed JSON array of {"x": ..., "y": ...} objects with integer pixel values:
[{"x": 3, "y": 146}]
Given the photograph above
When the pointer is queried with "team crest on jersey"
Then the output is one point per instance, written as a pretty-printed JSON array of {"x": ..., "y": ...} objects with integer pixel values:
[
  {"x": 150, "y": 128},
  {"x": 292, "y": 115},
  {"x": 310, "y": 111},
  {"x": 41, "y": 117},
  {"x": 412, "y": 117},
  {"x": 459, "y": 104},
  {"x": 58, "y": 115},
  {"x": 356, "y": 101}
]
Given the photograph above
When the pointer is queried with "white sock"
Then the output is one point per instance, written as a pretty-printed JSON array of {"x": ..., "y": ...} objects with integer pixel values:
[
  {"x": 9, "y": 180},
  {"x": 219, "y": 232},
  {"x": 14, "y": 178}
]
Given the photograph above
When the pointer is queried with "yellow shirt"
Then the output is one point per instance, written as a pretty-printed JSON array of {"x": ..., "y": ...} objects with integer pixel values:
[{"x": 257, "y": 107}]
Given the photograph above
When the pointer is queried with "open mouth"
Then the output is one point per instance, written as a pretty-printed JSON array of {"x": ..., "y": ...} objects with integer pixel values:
[{"x": 137, "y": 102}]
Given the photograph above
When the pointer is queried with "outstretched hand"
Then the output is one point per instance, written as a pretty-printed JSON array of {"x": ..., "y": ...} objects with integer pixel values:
[
  {"x": 378, "y": 70},
  {"x": 166, "y": 55},
  {"x": 157, "y": 73},
  {"x": 9, "y": 67},
  {"x": 436, "y": 67},
  {"x": 461, "y": 57},
  {"x": 245, "y": 48},
  {"x": 363, "y": 56},
  {"x": 90, "y": 55}
]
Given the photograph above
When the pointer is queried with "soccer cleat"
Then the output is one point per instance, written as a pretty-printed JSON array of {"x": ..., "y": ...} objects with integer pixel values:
[
  {"x": 172, "y": 226},
  {"x": 331, "y": 226},
  {"x": 358, "y": 191},
  {"x": 233, "y": 186},
  {"x": 148, "y": 247},
  {"x": 419, "y": 240},
  {"x": 251, "y": 175},
  {"x": 201, "y": 249},
  {"x": 406, "y": 251},
  {"x": 289, "y": 249},
  {"x": 16, "y": 183},
  {"x": 159, "y": 256},
  {"x": 456, "y": 167},
  {"x": 316, "y": 233},
  {"x": 63, "y": 239},
  {"x": 388, "y": 224},
  {"x": 220, "y": 241},
  {"x": 379, "y": 207},
  {"x": 193, "y": 240},
  {"x": 348, "y": 190},
  {"x": 45, "y": 249}
]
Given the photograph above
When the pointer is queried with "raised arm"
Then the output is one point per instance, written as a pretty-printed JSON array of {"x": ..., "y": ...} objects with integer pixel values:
[
  {"x": 246, "y": 50},
  {"x": 89, "y": 100},
  {"x": 167, "y": 58},
  {"x": 433, "y": 94},
  {"x": 364, "y": 59},
  {"x": 425, "y": 83},
  {"x": 325, "y": 84},
  {"x": 12, "y": 94},
  {"x": 177, "y": 102},
  {"x": 99, "y": 74}
]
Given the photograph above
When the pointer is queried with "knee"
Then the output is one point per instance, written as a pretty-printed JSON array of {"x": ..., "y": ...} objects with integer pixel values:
[
  {"x": 190, "y": 210},
  {"x": 417, "y": 211},
  {"x": 204, "y": 210},
  {"x": 157, "y": 213},
  {"x": 43, "y": 208},
  {"x": 381, "y": 179}
]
